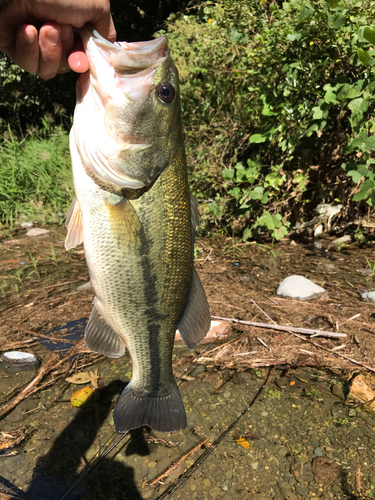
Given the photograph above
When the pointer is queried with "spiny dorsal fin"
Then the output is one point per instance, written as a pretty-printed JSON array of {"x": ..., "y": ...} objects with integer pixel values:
[
  {"x": 99, "y": 336},
  {"x": 74, "y": 224},
  {"x": 196, "y": 320}
]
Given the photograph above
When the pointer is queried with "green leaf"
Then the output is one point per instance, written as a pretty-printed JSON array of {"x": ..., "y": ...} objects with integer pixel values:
[
  {"x": 318, "y": 113},
  {"x": 355, "y": 175},
  {"x": 369, "y": 34},
  {"x": 330, "y": 95},
  {"x": 369, "y": 144},
  {"x": 228, "y": 174},
  {"x": 247, "y": 234},
  {"x": 365, "y": 57},
  {"x": 292, "y": 37},
  {"x": 257, "y": 193},
  {"x": 358, "y": 105},
  {"x": 257, "y": 138}
]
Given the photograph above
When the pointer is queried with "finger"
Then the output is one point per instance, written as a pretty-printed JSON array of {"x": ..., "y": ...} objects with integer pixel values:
[
  {"x": 67, "y": 42},
  {"x": 27, "y": 48},
  {"x": 77, "y": 60},
  {"x": 50, "y": 50}
]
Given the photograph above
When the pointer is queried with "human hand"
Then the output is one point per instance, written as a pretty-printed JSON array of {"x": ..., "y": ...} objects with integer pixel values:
[{"x": 54, "y": 48}]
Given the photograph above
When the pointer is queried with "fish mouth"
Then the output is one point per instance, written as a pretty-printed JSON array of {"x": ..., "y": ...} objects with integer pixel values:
[{"x": 133, "y": 64}]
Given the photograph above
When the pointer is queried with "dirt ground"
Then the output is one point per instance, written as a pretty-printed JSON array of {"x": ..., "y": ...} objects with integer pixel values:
[{"x": 38, "y": 291}]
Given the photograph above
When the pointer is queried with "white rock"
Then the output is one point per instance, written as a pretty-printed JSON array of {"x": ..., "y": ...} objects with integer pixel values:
[
  {"x": 25, "y": 357},
  {"x": 368, "y": 296},
  {"x": 27, "y": 224},
  {"x": 299, "y": 287},
  {"x": 318, "y": 231},
  {"x": 36, "y": 231}
]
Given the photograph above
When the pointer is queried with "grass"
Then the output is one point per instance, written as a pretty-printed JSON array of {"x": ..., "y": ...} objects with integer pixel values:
[{"x": 35, "y": 176}]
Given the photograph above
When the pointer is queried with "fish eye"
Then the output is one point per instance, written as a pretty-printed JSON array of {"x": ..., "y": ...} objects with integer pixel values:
[{"x": 166, "y": 92}]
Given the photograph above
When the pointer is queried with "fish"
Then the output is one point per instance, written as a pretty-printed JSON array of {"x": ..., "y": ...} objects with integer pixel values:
[{"x": 137, "y": 220}]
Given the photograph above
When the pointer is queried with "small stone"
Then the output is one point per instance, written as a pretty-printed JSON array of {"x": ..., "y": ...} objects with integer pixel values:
[
  {"x": 36, "y": 231},
  {"x": 319, "y": 452},
  {"x": 337, "y": 390},
  {"x": 254, "y": 465},
  {"x": 206, "y": 483},
  {"x": 197, "y": 370},
  {"x": 318, "y": 231},
  {"x": 27, "y": 224},
  {"x": 368, "y": 296},
  {"x": 300, "y": 288},
  {"x": 226, "y": 394},
  {"x": 17, "y": 361}
]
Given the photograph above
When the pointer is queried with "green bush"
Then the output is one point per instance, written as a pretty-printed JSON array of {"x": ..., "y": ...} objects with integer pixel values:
[
  {"x": 36, "y": 180},
  {"x": 276, "y": 99}
]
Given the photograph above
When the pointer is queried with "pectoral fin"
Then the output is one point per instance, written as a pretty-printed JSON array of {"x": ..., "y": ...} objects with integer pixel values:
[
  {"x": 196, "y": 319},
  {"x": 99, "y": 336},
  {"x": 74, "y": 225}
]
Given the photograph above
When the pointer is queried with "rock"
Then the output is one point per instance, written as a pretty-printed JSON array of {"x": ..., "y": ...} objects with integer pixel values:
[
  {"x": 318, "y": 231},
  {"x": 36, "y": 231},
  {"x": 344, "y": 239},
  {"x": 85, "y": 286},
  {"x": 325, "y": 470},
  {"x": 27, "y": 224},
  {"x": 337, "y": 390},
  {"x": 16, "y": 361},
  {"x": 362, "y": 390},
  {"x": 368, "y": 296},
  {"x": 300, "y": 288},
  {"x": 319, "y": 452},
  {"x": 197, "y": 370}
]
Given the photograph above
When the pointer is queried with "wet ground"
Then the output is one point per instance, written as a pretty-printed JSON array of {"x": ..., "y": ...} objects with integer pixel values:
[{"x": 299, "y": 440}]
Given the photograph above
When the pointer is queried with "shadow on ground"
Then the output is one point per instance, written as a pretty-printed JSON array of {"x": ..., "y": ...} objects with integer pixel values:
[{"x": 55, "y": 471}]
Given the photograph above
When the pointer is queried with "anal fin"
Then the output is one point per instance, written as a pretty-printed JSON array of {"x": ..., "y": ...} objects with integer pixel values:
[
  {"x": 74, "y": 224},
  {"x": 99, "y": 336},
  {"x": 196, "y": 319}
]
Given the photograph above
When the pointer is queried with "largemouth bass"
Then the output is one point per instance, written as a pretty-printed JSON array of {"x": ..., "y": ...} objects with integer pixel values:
[{"x": 133, "y": 212}]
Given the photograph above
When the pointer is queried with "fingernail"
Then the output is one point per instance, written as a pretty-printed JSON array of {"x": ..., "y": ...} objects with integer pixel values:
[
  {"x": 29, "y": 35},
  {"x": 66, "y": 33},
  {"x": 53, "y": 36}
]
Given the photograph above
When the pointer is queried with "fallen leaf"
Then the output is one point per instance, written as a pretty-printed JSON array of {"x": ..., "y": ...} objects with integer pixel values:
[
  {"x": 79, "y": 378},
  {"x": 94, "y": 379},
  {"x": 242, "y": 442},
  {"x": 81, "y": 397}
]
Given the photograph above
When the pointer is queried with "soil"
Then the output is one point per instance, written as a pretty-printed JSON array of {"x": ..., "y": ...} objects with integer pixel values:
[{"x": 298, "y": 440}]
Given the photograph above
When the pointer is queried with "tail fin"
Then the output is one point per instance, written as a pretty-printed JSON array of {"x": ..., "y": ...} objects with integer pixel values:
[{"x": 163, "y": 412}]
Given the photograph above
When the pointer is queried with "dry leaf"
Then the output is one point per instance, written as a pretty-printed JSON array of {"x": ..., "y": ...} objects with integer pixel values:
[
  {"x": 81, "y": 397},
  {"x": 94, "y": 379},
  {"x": 79, "y": 378},
  {"x": 242, "y": 442}
]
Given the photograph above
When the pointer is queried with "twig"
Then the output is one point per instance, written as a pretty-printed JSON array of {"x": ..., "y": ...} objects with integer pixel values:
[
  {"x": 291, "y": 329},
  {"x": 261, "y": 310},
  {"x": 335, "y": 353},
  {"x": 54, "y": 339},
  {"x": 44, "y": 369},
  {"x": 175, "y": 465}
]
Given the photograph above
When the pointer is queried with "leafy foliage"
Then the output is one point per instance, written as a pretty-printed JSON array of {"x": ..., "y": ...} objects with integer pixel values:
[{"x": 270, "y": 91}]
